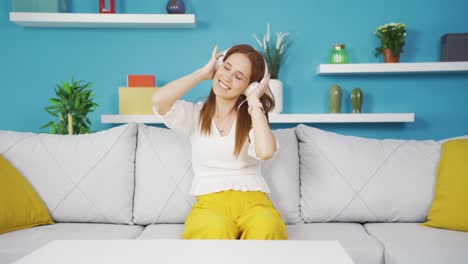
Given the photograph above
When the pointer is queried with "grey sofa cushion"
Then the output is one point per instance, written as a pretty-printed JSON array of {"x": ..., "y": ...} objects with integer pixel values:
[
  {"x": 80, "y": 178},
  {"x": 164, "y": 175},
  {"x": 355, "y": 179},
  {"x": 360, "y": 246},
  {"x": 409, "y": 243},
  {"x": 16, "y": 244}
]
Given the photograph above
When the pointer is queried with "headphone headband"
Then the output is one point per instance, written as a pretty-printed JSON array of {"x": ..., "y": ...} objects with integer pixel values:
[{"x": 221, "y": 60}]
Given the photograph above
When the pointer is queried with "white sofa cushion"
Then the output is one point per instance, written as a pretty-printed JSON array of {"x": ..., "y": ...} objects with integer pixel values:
[
  {"x": 164, "y": 175},
  {"x": 355, "y": 179},
  {"x": 360, "y": 246},
  {"x": 80, "y": 178},
  {"x": 16, "y": 244},
  {"x": 164, "y": 231},
  {"x": 282, "y": 175},
  {"x": 408, "y": 243}
]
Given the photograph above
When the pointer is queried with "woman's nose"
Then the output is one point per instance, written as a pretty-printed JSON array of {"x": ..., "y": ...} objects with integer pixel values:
[{"x": 229, "y": 76}]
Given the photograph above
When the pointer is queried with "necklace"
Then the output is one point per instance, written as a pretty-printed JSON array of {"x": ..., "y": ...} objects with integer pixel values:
[{"x": 222, "y": 122}]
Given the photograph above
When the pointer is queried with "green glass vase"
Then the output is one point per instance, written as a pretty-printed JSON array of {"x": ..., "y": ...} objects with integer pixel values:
[
  {"x": 334, "y": 99},
  {"x": 338, "y": 54},
  {"x": 356, "y": 100}
]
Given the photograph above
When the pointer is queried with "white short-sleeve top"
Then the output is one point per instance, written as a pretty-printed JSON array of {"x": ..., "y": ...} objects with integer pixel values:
[{"x": 214, "y": 164}]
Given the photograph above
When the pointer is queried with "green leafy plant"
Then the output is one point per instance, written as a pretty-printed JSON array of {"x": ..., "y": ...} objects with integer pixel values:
[
  {"x": 70, "y": 108},
  {"x": 274, "y": 52},
  {"x": 392, "y": 36}
]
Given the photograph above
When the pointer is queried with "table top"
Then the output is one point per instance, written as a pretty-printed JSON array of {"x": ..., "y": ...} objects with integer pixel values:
[{"x": 190, "y": 251}]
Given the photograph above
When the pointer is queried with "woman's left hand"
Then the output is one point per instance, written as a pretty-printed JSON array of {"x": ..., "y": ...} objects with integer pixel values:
[{"x": 260, "y": 90}]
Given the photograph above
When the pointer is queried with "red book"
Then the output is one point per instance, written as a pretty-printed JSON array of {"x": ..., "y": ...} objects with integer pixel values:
[{"x": 134, "y": 80}]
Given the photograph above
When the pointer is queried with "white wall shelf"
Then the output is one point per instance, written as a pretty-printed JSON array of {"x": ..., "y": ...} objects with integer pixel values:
[
  {"x": 392, "y": 68},
  {"x": 96, "y": 20},
  {"x": 285, "y": 118}
]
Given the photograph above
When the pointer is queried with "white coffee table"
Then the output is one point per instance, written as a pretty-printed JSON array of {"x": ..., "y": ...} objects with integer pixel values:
[{"x": 189, "y": 251}]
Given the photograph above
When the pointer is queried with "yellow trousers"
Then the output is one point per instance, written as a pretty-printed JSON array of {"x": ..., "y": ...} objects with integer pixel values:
[{"x": 234, "y": 215}]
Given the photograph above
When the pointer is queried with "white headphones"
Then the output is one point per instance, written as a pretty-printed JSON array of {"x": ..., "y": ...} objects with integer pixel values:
[{"x": 253, "y": 85}]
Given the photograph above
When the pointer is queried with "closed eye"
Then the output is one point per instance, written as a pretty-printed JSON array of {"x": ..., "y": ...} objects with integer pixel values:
[{"x": 239, "y": 76}]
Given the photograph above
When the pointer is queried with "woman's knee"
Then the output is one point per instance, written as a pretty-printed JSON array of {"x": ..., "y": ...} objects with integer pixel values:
[
  {"x": 265, "y": 225},
  {"x": 210, "y": 227}
]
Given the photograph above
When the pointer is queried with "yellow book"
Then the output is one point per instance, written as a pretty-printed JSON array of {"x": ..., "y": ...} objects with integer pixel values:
[{"x": 135, "y": 101}]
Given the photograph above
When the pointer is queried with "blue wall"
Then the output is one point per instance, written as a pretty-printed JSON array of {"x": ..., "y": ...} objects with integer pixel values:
[{"x": 33, "y": 60}]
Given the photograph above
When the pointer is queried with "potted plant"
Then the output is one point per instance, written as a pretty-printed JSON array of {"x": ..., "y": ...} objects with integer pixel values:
[
  {"x": 274, "y": 53},
  {"x": 70, "y": 109},
  {"x": 392, "y": 39}
]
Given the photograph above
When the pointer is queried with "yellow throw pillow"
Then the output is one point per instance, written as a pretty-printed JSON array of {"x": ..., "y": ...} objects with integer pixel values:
[
  {"x": 20, "y": 206},
  {"x": 449, "y": 208}
]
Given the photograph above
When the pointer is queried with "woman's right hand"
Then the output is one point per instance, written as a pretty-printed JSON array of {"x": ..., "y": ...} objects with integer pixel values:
[{"x": 208, "y": 71}]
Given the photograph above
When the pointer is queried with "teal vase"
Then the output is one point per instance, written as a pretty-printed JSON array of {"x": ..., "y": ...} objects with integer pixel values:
[
  {"x": 334, "y": 99},
  {"x": 356, "y": 100}
]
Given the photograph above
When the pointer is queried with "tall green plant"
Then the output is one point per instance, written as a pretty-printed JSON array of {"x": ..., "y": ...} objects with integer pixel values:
[
  {"x": 273, "y": 52},
  {"x": 70, "y": 108}
]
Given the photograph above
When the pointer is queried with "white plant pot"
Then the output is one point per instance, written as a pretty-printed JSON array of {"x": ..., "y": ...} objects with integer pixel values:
[{"x": 276, "y": 87}]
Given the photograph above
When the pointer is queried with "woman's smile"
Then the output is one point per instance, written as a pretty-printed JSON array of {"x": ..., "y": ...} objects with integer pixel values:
[{"x": 223, "y": 85}]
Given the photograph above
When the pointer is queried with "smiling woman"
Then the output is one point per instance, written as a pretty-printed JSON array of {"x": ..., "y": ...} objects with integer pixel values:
[
  {"x": 240, "y": 77},
  {"x": 228, "y": 139},
  {"x": 241, "y": 67}
]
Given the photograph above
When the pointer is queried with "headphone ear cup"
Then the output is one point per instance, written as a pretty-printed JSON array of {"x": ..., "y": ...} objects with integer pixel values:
[
  {"x": 219, "y": 62},
  {"x": 251, "y": 87}
]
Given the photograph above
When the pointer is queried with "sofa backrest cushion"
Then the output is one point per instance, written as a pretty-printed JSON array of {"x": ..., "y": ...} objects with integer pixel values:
[
  {"x": 355, "y": 179},
  {"x": 164, "y": 175},
  {"x": 282, "y": 175},
  {"x": 80, "y": 178}
]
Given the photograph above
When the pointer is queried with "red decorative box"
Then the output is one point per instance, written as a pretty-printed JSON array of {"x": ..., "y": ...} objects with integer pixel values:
[{"x": 134, "y": 80}]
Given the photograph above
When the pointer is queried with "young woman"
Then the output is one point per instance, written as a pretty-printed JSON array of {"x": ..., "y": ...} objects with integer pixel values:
[{"x": 229, "y": 137}]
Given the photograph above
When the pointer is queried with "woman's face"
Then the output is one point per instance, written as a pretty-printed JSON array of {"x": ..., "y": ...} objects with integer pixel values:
[{"x": 232, "y": 77}]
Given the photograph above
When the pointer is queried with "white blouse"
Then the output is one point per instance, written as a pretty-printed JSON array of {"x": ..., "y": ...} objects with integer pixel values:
[{"x": 215, "y": 167}]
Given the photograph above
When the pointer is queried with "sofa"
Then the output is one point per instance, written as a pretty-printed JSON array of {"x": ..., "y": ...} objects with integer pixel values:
[{"x": 132, "y": 182}]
